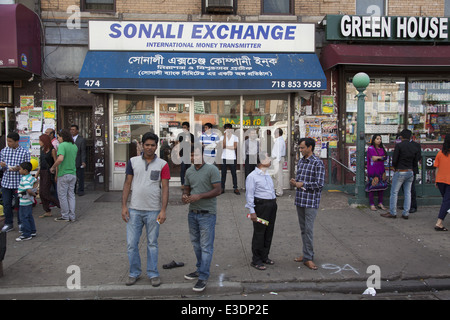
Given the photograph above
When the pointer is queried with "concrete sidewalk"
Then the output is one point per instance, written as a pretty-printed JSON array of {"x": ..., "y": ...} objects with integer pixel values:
[{"x": 409, "y": 253}]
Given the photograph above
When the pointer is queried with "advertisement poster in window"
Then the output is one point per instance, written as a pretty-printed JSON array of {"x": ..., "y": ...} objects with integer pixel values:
[{"x": 327, "y": 105}]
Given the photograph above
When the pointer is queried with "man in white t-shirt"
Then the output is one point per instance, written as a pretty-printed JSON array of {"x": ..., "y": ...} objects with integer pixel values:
[
  {"x": 278, "y": 154},
  {"x": 229, "y": 143}
]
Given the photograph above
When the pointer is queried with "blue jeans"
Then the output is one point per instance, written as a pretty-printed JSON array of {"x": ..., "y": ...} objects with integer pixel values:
[
  {"x": 202, "y": 232},
  {"x": 399, "y": 179},
  {"x": 27, "y": 220},
  {"x": 139, "y": 219}
]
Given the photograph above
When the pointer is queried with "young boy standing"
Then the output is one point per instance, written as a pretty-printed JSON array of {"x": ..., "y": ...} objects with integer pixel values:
[{"x": 26, "y": 194}]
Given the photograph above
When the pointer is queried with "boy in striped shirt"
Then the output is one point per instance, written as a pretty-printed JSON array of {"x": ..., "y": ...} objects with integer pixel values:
[{"x": 26, "y": 192}]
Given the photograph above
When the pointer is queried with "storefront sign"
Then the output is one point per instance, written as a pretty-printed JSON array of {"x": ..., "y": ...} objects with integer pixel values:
[
  {"x": 201, "y": 71},
  {"x": 129, "y": 119},
  {"x": 249, "y": 122},
  {"x": 389, "y": 28},
  {"x": 201, "y": 36}
]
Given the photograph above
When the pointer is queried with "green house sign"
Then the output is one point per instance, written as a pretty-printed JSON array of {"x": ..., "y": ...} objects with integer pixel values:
[{"x": 386, "y": 28}]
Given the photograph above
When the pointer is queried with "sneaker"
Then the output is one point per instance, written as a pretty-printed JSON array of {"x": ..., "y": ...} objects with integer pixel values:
[
  {"x": 131, "y": 281},
  {"x": 191, "y": 276},
  {"x": 156, "y": 281},
  {"x": 23, "y": 238},
  {"x": 62, "y": 219},
  {"x": 7, "y": 228},
  {"x": 200, "y": 286}
]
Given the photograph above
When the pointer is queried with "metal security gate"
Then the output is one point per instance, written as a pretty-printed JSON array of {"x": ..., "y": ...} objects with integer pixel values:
[{"x": 82, "y": 116}]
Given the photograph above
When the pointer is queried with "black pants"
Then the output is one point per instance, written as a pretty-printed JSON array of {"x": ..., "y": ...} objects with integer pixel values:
[
  {"x": 232, "y": 164},
  {"x": 262, "y": 234},
  {"x": 250, "y": 164}
]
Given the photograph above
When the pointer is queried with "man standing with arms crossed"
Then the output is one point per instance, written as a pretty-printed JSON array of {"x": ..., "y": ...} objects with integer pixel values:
[
  {"x": 201, "y": 187},
  {"x": 148, "y": 176},
  {"x": 309, "y": 182}
]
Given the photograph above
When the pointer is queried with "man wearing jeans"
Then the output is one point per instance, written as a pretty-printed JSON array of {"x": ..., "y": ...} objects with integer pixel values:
[
  {"x": 148, "y": 176},
  {"x": 201, "y": 187},
  {"x": 405, "y": 156},
  {"x": 65, "y": 163},
  {"x": 309, "y": 181}
]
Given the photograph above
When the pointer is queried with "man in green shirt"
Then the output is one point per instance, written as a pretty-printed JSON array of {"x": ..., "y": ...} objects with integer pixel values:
[
  {"x": 66, "y": 173},
  {"x": 201, "y": 187}
]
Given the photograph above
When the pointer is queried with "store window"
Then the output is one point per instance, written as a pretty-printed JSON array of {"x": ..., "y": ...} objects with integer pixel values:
[
  {"x": 261, "y": 115},
  {"x": 6, "y": 96},
  {"x": 428, "y": 101},
  {"x": 217, "y": 111},
  {"x": 384, "y": 109},
  {"x": 133, "y": 116},
  {"x": 265, "y": 115},
  {"x": 172, "y": 115},
  {"x": 428, "y": 108}
]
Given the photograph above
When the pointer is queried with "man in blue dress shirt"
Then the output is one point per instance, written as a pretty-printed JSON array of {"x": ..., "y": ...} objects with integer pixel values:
[{"x": 262, "y": 203}]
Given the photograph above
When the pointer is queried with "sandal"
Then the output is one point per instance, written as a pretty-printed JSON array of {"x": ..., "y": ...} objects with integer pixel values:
[
  {"x": 299, "y": 259},
  {"x": 380, "y": 206},
  {"x": 258, "y": 266},
  {"x": 440, "y": 228},
  {"x": 373, "y": 208},
  {"x": 173, "y": 264},
  {"x": 46, "y": 214},
  {"x": 268, "y": 261},
  {"x": 310, "y": 265}
]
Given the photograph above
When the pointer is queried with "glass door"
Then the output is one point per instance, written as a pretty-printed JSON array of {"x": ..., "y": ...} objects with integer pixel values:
[{"x": 172, "y": 114}]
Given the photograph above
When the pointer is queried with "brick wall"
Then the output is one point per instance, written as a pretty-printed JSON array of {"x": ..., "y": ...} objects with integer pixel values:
[{"x": 253, "y": 7}]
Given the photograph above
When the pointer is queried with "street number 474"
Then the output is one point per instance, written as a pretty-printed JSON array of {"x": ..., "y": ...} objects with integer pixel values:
[{"x": 91, "y": 83}]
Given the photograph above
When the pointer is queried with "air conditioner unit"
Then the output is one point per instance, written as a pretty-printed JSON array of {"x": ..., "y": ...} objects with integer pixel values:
[{"x": 219, "y": 6}]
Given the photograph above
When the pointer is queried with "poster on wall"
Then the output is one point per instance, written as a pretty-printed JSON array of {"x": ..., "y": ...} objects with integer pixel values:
[
  {"x": 33, "y": 120},
  {"x": 313, "y": 129},
  {"x": 26, "y": 103},
  {"x": 49, "y": 109},
  {"x": 124, "y": 133},
  {"x": 352, "y": 158},
  {"x": 327, "y": 105},
  {"x": 323, "y": 129}
]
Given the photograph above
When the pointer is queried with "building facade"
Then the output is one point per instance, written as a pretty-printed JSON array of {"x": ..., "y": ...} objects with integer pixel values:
[{"x": 87, "y": 47}]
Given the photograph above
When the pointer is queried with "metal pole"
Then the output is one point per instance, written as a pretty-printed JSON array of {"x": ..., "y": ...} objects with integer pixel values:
[{"x": 360, "y": 81}]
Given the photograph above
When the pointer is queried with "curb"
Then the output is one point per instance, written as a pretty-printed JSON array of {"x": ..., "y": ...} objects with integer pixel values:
[
  {"x": 116, "y": 291},
  {"x": 184, "y": 290}
]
